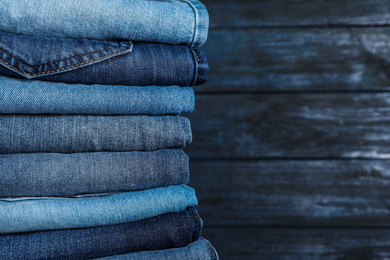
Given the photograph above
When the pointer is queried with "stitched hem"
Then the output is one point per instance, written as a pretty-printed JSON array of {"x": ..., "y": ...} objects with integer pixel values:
[
  {"x": 213, "y": 251},
  {"x": 201, "y": 23}
]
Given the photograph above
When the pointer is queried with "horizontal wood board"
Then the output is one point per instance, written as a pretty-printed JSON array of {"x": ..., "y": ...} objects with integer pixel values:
[
  {"x": 271, "y": 13},
  {"x": 331, "y": 193},
  {"x": 299, "y": 243},
  {"x": 307, "y": 125},
  {"x": 277, "y": 60}
]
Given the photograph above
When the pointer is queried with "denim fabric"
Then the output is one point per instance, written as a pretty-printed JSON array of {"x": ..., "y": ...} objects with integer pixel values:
[
  {"x": 20, "y": 96},
  {"x": 101, "y": 62},
  {"x": 53, "y": 174},
  {"x": 48, "y": 213},
  {"x": 198, "y": 250},
  {"x": 161, "y": 232},
  {"x": 164, "y": 21},
  {"x": 72, "y": 134}
]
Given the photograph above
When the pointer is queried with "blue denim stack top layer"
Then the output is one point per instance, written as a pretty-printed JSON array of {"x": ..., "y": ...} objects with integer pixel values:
[{"x": 91, "y": 129}]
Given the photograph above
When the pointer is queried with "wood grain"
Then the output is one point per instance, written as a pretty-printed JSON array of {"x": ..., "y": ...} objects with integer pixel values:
[
  {"x": 332, "y": 193},
  {"x": 297, "y": 244},
  {"x": 291, "y": 126},
  {"x": 251, "y": 13},
  {"x": 325, "y": 59}
]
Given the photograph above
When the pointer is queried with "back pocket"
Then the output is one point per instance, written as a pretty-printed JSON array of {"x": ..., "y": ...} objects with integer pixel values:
[{"x": 32, "y": 57}]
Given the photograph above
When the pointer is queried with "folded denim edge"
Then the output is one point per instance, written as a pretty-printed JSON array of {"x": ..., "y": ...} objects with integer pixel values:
[
  {"x": 212, "y": 249},
  {"x": 199, "y": 224},
  {"x": 201, "y": 25},
  {"x": 201, "y": 67},
  {"x": 185, "y": 126},
  {"x": 187, "y": 98}
]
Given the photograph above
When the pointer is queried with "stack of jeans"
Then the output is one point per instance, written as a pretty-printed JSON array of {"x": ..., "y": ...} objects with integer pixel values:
[{"x": 91, "y": 136}]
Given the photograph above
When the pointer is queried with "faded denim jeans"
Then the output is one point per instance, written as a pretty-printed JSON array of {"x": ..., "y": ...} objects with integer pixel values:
[
  {"x": 164, "y": 21},
  {"x": 55, "y": 174},
  {"x": 101, "y": 62},
  {"x": 171, "y": 230},
  {"x": 86, "y": 133},
  {"x": 49, "y": 213},
  {"x": 21, "y": 96}
]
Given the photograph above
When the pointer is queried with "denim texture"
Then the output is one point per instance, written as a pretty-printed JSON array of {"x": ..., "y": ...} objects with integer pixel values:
[
  {"x": 198, "y": 250},
  {"x": 21, "y": 96},
  {"x": 163, "y": 21},
  {"x": 101, "y": 62},
  {"x": 48, "y": 213},
  {"x": 72, "y": 134},
  {"x": 158, "y": 233},
  {"x": 54, "y": 174}
]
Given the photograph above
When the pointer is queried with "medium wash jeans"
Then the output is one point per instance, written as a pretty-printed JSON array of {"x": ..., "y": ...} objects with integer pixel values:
[
  {"x": 21, "y": 96},
  {"x": 48, "y": 213},
  {"x": 101, "y": 62},
  {"x": 198, "y": 250},
  {"x": 54, "y": 174},
  {"x": 164, "y": 21},
  {"x": 73, "y": 134},
  {"x": 158, "y": 233}
]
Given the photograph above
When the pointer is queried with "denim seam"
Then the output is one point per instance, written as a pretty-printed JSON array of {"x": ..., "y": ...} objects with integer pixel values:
[
  {"x": 212, "y": 251},
  {"x": 196, "y": 67},
  {"x": 195, "y": 20},
  {"x": 198, "y": 225},
  {"x": 64, "y": 68}
]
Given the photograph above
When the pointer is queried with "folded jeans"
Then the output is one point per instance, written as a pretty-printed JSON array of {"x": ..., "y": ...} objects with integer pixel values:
[
  {"x": 86, "y": 133},
  {"x": 48, "y": 213},
  {"x": 169, "y": 230},
  {"x": 101, "y": 62},
  {"x": 54, "y": 174},
  {"x": 20, "y": 96},
  {"x": 201, "y": 249},
  {"x": 167, "y": 21}
]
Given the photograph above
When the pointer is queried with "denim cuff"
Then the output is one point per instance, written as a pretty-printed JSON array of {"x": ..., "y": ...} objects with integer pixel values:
[
  {"x": 201, "y": 67},
  {"x": 201, "y": 23}
]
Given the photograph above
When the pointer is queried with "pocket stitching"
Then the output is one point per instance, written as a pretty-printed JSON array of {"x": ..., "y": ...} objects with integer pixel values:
[{"x": 68, "y": 67}]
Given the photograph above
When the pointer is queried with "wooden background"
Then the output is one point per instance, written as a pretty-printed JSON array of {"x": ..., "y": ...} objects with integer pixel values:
[{"x": 290, "y": 158}]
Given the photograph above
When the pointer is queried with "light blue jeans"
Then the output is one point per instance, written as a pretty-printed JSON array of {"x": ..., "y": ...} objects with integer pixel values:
[
  {"x": 198, "y": 250},
  {"x": 164, "y": 21},
  {"x": 20, "y": 96},
  {"x": 35, "y": 214}
]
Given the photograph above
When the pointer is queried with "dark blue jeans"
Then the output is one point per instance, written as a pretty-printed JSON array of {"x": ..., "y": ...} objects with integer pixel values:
[
  {"x": 162, "y": 232},
  {"x": 101, "y": 62},
  {"x": 54, "y": 174}
]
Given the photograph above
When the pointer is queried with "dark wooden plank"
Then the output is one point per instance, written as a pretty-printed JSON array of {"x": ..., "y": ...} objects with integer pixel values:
[
  {"x": 291, "y": 125},
  {"x": 293, "y": 193},
  {"x": 245, "y": 13},
  {"x": 298, "y": 60},
  {"x": 291, "y": 244}
]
